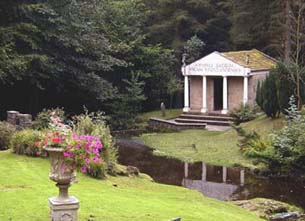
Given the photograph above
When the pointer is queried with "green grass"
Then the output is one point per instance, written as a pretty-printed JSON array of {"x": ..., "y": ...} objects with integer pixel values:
[
  {"x": 170, "y": 113},
  {"x": 217, "y": 148},
  {"x": 25, "y": 188}
]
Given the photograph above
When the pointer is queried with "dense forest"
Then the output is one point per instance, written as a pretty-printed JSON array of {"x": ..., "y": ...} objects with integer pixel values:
[{"x": 124, "y": 56}]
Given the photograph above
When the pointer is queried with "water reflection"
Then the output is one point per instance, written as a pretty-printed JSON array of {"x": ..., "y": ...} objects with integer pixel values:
[{"x": 213, "y": 181}]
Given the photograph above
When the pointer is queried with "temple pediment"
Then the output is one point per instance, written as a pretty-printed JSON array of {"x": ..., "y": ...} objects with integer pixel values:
[{"x": 215, "y": 64}]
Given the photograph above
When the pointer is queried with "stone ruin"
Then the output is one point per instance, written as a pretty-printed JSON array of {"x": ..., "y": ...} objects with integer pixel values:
[{"x": 19, "y": 120}]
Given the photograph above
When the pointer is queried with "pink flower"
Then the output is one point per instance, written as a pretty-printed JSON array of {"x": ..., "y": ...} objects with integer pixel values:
[
  {"x": 97, "y": 160},
  {"x": 56, "y": 140},
  {"x": 67, "y": 154},
  {"x": 88, "y": 160},
  {"x": 83, "y": 169}
]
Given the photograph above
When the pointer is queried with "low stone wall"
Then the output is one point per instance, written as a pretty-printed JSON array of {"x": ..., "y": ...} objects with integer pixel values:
[
  {"x": 19, "y": 120},
  {"x": 159, "y": 124}
]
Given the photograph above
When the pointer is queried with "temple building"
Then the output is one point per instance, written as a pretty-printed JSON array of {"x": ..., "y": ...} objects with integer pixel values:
[{"x": 220, "y": 82}]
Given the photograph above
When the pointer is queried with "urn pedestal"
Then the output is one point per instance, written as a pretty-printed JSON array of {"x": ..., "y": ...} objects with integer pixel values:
[{"x": 63, "y": 207}]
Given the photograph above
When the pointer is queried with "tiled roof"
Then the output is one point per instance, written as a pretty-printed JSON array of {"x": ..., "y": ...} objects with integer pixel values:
[{"x": 256, "y": 60}]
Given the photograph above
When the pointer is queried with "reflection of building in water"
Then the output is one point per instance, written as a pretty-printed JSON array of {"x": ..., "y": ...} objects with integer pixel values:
[{"x": 214, "y": 181}]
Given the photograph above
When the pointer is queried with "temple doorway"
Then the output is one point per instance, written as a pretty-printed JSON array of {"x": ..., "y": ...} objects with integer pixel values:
[{"x": 218, "y": 94}]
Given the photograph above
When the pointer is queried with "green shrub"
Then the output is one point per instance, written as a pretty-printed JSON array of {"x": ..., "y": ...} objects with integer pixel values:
[
  {"x": 287, "y": 153},
  {"x": 6, "y": 132},
  {"x": 42, "y": 120},
  {"x": 97, "y": 170},
  {"x": 243, "y": 113},
  {"x": 267, "y": 95},
  {"x": 94, "y": 124},
  {"x": 23, "y": 142}
]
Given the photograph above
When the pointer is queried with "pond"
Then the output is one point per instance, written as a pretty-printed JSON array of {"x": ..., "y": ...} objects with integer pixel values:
[{"x": 213, "y": 181}]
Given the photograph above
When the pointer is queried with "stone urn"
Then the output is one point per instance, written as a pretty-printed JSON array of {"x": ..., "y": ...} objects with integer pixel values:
[{"x": 63, "y": 207}]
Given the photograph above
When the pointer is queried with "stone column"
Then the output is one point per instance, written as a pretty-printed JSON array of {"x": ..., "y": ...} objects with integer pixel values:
[
  {"x": 224, "y": 174},
  {"x": 186, "y": 170},
  {"x": 245, "y": 97},
  {"x": 242, "y": 177},
  {"x": 186, "y": 95},
  {"x": 204, "y": 172},
  {"x": 12, "y": 117},
  {"x": 204, "y": 95},
  {"x": 225, "y": 95},
  {"x": 25, "y": 121}
]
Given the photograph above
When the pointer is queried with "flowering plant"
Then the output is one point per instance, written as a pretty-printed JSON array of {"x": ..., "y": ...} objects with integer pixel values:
[{"x": 79, "y": 151}]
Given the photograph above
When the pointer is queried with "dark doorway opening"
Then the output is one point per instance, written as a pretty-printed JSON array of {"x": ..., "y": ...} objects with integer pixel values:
[{"x": 218, "y": 93}]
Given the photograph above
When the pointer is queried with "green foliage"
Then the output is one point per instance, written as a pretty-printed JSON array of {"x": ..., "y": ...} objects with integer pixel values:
[
  {"x": 94, "y": 124},
  {"x": 193, "y": 48},
  {"x": 174, "y": 85},
  {"x": 6, "y": 132},
  {"x": 249, "y": 30},
  {"x": 267, "y": 96},
  {"x": 284, "y": 85},
  {"x": 284, "y": 150},
  {"x": 23, "y": 142},
  {"x": 287, "y": 152},
  {"x": 161, "y": 65},
  {"x": 135, "y": 93},
  {"x": 259, "y": 94},
  {"x": 250, "y": 143},
  {"x": 243, "y": 113},
  {"x": 129, "y": 104},
  {"x": 273, "y": 94},
  {"x": 179, "y": 20},
  {"x": 42, "y": 121}
]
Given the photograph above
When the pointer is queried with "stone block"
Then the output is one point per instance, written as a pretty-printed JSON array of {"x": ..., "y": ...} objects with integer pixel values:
[
  {"x": 63, "y": 209},
  {"x": 12, "y": 117}
]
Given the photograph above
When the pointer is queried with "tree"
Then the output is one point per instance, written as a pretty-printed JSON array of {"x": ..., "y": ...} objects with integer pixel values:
[
  {"x": 287, "y": 152},
  {"x": 270, "y": 104},
  {"x": 174, "y": 85},
  {"x": 193, "y": 49},
  {"x": 179, "y": 20},
  {"x": 249, "y": 30},
  {"x": 135, "y": 92},
  {"x": 284, "y": 86},
  {"x": 259, "y": 95},
  {"x": 57, "y": 57},
  {"x": 128, "y": 104}
]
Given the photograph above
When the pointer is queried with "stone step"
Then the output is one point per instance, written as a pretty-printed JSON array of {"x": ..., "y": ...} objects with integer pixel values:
[
  {"x": 208, "y": 122},
  {"x": 206, "y": 117},
  {"x": 211, "y": 113}
]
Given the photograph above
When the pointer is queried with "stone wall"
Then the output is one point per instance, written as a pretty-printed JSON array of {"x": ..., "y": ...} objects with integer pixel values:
[
  {"x": 253, "y": 81},
  {"x": 19, "y": 120},
  {"x": 196, "y": 93},
  {"x": 235, "y": 92}
]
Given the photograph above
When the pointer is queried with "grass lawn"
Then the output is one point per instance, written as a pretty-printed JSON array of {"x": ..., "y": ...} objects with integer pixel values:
[
  {"x": 25, "y": 188},
  {"x": 217, "y": 148}
]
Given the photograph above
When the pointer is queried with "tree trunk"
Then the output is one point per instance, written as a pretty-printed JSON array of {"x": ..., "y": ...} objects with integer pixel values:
[{"x": 287, "y": 34}]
